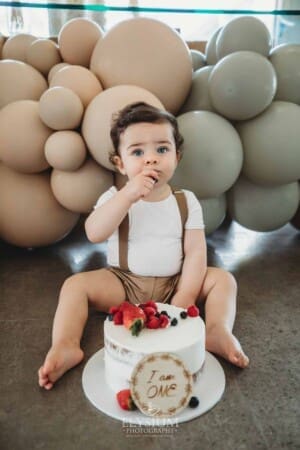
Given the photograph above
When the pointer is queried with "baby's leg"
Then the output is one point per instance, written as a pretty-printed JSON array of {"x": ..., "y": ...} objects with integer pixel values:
[
  {"x": 99, "y": 288},
  {"x": 220, "y": 289}
]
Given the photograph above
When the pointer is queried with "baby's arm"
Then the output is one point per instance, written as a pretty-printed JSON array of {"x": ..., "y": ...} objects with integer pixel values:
[
  {"x": 105, "y": 219},
  {"x": 193, "y": 269}
]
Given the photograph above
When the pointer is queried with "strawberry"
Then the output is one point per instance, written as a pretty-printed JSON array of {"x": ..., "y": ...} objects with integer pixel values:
[
  {"x": 113, "y": 309},
  {"x": 118, "y": 318},
  {"x": 125, "y": 400},
  {"x": 153, "y": 322},
  {"x": 133, "y": 318},
  {"x": 193, "y": 311},
  {"x": 163, "y": 321}
]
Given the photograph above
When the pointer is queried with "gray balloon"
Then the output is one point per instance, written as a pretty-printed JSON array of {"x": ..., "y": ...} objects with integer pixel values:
[
  {"x": 243, "y": 33},
  {"x": 271, "y": 143},
  {"x": 214, "y": 211},
  {"x": 210, "y": 50},
  {"x": 242, "y": 85},
  {"x": 198, "y": 59},
  {"x": 262, "y": 208},
  {"x": 286, "y": 61},
  {"x": 213, "y": 154},
  {"x": 198, "y": 98}
]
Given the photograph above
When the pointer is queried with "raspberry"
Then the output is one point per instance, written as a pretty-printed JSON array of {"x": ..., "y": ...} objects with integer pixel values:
[
  {"x": 153, "y": 322},
  {"x": 149, "y": 311},
  {"x": 193, "y": 311},
  {"x": 118, "y": 318},
  {"x": 163, "y": 321},
  {"x": 151, "y": 303}
]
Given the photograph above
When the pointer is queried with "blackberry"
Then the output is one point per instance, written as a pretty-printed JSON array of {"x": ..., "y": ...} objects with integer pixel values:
[
  {"x": 174, "y": 322},
  {"x": 183, "y": 314},
  {"x": 194, "y": 402},
  {"x": 165, "y": 313},
  {"x": 110, "y": 317}
]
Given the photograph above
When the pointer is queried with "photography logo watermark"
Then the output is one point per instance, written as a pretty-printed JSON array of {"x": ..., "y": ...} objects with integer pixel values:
[{"x": 150, "y": 426}]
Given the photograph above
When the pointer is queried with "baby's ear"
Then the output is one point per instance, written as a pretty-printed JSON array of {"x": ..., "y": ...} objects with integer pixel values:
[{"x": 119, "y": 164}]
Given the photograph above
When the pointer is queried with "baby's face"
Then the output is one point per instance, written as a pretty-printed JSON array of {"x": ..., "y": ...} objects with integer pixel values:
[{"x": 148, "y": 145}]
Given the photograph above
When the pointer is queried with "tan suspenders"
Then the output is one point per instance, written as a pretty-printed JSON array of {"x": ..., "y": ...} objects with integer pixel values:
[{"x": 124, "y": 229}]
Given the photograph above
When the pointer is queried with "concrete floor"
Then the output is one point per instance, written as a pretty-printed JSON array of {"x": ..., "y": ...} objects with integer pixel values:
[{"x": 259, "y": 409}]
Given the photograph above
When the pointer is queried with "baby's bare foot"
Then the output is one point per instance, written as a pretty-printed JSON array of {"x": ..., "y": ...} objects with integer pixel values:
[
  {"x": 60, "y": 358},
  {"x": 222, "y": 342}
]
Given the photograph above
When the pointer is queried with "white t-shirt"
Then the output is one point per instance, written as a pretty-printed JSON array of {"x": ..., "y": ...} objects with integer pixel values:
[{"x": 155, "y": 234}]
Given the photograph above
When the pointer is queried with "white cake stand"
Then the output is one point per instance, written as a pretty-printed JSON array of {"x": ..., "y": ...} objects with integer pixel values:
[{"x": 209, "y": 389}]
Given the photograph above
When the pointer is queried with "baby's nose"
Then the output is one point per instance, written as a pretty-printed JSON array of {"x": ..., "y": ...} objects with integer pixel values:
[{"x": 151, "y": 160}]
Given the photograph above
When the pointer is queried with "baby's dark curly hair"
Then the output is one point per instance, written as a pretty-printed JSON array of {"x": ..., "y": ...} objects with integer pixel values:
[{"x": 137, "y": 113}]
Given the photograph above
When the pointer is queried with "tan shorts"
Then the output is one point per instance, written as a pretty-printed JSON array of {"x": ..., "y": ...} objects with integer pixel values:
[{"x": 140, "y": 289}]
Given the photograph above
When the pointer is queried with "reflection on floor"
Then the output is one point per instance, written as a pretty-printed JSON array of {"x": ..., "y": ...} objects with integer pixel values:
[{"x": 259, "y": 409}]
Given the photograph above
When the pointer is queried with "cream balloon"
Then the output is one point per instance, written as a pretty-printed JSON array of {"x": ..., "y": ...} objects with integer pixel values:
[
  {"x": 80, "y": 80},
  {"x": 15, "y": 47},
  {"x": 30, "y": 216},
  {"x": 98, "y": 117},
  {"x": 77, "y": 39},
  {"x": 20, "y": 81},
  {"x": 78, "y": 191},
  {"x": 23, "y": 136},
  {"x": 65, "y": 150},
  {"x": 147, "y": 53},
  {"x": 43, "y": 54},
  {"x": 60, "y": 108},
  {"x": 55, "y": 69}
]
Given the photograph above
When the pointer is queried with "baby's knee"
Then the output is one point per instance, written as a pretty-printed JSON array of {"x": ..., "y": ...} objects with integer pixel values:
[
  {"x": 226, "y": 277},
  {"x": 75, "y": 281}
]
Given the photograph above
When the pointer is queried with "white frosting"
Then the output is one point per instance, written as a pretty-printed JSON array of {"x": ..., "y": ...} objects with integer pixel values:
[{"x": 123, "y": 351}]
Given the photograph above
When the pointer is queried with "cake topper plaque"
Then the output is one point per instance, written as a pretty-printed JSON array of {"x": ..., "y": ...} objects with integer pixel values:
[{"x": 161, "y": 386}]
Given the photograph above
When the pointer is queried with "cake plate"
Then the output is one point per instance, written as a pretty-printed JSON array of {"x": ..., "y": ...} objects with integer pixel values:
[{"x": 208, "y": 388}]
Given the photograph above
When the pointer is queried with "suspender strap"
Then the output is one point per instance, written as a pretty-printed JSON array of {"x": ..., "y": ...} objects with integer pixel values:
[
  {"x": 124, "y": 229},
  {"x": 123, "y": 243}
]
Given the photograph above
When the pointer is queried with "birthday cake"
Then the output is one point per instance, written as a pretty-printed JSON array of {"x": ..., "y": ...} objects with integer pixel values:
[{"x": 160, "y": 328}]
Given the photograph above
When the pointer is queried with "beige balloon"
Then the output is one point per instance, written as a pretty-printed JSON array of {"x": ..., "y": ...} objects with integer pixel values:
[
  {"x": 16, "y": 46},
  {"x": 23, "y": 136},
  {"x": 214, "y": 211},
  {"x": 20, "y": 81},
  {"x": 65, "y": 150},
  {"x": 30, "y": 216},
  {"x": 55, "y": 69},
  {"x": 77, "y": 39},
  {"x": 147, "y": 53},
  {"x": 98, "y": 116},
  {"x": 60, "y": 108},
  {"x": 80, "y": 80},
  {"x": 43, "y": 54},
  {"x": 78, "y": 191}
]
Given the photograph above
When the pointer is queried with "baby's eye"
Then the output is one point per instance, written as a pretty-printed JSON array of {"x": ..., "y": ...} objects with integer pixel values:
[
  {"x": 137, "y": 152},
  {"x": 162, "y": 149}
]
